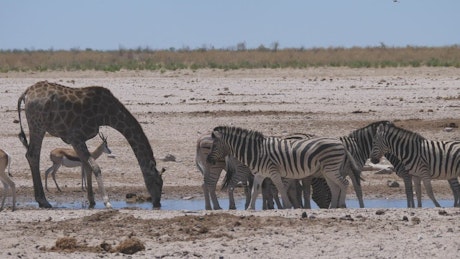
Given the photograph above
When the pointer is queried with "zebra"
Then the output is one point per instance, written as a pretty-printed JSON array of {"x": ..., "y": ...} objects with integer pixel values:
[
  {"x": 275, "y": 158},
  {"x": 297, "y": 189},
  {"x": 211, "y": 174},
  {"x": 321, "y": 193},
  {"x": 359, "y": 144},
  {"x": 236, "y": 172},
  {"x": 424, "y": 159}
]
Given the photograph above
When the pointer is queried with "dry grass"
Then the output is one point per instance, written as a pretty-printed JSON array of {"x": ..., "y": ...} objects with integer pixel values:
[{"x": 146, "y": 59}]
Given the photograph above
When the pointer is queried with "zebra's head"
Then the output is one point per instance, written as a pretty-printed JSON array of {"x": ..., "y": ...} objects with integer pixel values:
[
  {"x": 380, "y": 143},
  {"x": 219, "y": 149}
]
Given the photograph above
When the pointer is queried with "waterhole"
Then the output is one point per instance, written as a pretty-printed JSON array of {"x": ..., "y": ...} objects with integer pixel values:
[{"x": 198, "y": 204}]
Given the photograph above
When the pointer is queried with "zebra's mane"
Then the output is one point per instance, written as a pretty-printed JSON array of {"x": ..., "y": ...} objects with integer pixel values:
[
  {"x": 373, "y": 126},
  {"x": 240, "y": 132},
  {"x": 400, "y": 130}
]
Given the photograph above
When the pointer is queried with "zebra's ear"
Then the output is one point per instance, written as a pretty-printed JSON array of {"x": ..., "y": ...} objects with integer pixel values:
[{"x": 216, "y": 134}]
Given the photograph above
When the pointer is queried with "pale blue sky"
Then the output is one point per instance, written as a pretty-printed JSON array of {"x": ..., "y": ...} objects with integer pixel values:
[{"x": 111, "y": 24}]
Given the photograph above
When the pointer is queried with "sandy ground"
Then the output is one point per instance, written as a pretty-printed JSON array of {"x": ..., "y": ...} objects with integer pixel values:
[{"x": 175, "y": 107}]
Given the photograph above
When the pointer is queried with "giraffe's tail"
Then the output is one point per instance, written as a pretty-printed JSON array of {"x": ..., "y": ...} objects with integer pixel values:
[{"x": 22, "y": 135}]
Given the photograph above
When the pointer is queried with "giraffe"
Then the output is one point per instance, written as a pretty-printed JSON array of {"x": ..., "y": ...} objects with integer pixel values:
[{"x": 75, "y": 115}]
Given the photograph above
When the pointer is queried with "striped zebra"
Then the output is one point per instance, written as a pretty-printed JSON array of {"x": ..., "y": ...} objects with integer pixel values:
[
  {"x": 424, "y": 159},
  {"x": 211, "y": 174},
  {"x": 276, "y": 158},
  {"x": 237, "y": 173},
  {"x": 317, "y": 186},
  {"x": 359, "y": 144}
]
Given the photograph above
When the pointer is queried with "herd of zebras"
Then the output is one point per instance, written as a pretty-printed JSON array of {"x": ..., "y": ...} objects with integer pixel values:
[{"x": 295, "y": 163}]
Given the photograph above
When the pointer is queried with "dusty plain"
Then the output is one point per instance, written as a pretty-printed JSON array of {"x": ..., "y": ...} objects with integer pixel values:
[{"x": 175, "y": 107}]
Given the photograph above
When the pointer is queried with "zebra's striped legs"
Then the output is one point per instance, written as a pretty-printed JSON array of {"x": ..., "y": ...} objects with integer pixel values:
[
  {"x": 231, "y": 199},
  {"x": 336, "y": 193},
  {"x": 276, "y": 178},
  {"x": 306, "y": 188},
  {"x": 418, "y": 190},
  {"x": 294, "y": 192},
  {"x": 247, "y": 191},
  {"x": 428, "y": 188},
  {"x": 338, "y": 190},
  {"x": 212, "y": 192},
  {"x": 256, "y": 187},
  {"x": 269, "y": 195},
  {"x": 210, "y": 177},
  {"x": 429, "y": 191},
  {"x": 207, "y": 201},
  {"x": 455, "y": 187},
  {"x": 409, "y": 191}
]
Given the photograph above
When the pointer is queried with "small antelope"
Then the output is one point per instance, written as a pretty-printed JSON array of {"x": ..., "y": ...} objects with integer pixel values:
[
  {"x": 68, "y": 157},
  {"x": 5, "y": 161}
]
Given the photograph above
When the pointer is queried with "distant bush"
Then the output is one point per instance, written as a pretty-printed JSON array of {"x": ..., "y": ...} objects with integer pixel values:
[{"x": 240, "y": 58}]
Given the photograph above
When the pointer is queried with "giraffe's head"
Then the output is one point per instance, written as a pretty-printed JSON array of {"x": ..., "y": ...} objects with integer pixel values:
[{"x": 154, "y": 183}]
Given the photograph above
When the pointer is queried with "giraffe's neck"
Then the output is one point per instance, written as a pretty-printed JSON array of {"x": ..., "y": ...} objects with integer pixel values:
[{"x": 125, "y": 123}]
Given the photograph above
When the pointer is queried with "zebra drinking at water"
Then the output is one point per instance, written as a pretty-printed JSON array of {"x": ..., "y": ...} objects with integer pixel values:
[
  {"x": 424, "y": 159},
  {"x": 275, "y": 158}
]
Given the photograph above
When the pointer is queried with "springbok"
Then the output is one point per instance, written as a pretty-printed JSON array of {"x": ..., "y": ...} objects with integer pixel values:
[
  {"x": 5, "y": 161},
  {"x": 68, "y": 157}
]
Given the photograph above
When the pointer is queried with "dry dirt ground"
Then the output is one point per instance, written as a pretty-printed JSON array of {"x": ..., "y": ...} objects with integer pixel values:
[{"x": 175, "y": 107}]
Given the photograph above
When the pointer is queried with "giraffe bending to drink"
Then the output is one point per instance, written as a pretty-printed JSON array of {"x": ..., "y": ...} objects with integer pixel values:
[{"x": 75, "y": 115}]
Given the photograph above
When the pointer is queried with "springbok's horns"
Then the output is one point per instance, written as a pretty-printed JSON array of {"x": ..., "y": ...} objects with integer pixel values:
[{"x": 101, "y": 135}]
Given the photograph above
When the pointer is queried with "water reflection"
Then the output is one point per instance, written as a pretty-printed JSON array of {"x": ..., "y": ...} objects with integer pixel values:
[{"x": 198, "y": 204}]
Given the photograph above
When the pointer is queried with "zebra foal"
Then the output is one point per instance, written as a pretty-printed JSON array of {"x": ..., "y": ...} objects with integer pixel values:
[
  {"x": 275, "y": 158},
  {"x": 424, "y": 159}
]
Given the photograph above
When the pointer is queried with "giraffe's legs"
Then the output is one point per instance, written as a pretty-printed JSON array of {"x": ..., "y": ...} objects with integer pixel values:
[
  {"x": 33, "y": 157},
  {"x": 90, "y": 165}
]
